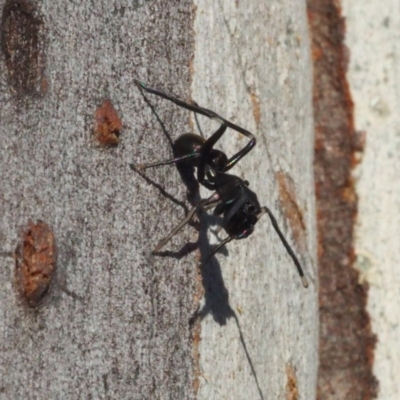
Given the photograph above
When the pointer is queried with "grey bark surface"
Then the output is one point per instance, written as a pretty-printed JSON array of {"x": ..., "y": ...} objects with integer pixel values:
[
  {"x": 259, "y": 339},
  {"x": 118, "y": 322}
]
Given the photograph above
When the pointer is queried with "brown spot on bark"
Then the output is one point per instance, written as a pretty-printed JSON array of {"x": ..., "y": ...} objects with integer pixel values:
[
  {"x": 293, "y": 213},
  {"x": 196, "y": 338},
  {"x": 22, "y": 43},
  {"x": 346, "y": 339},
  {"x": 35, "y": 262},
  {"x": 292, "y": 392},
  {"x": 255, "y": 101},
  {"x": 108, "y": 125}
]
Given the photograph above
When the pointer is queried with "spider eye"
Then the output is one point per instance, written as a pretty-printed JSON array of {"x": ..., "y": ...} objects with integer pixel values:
[
  {"x": 251, "y": 209},
  {"x": 217, "y": 159}
]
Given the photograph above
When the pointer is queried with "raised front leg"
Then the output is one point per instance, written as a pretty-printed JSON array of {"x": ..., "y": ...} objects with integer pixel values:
[{"x": 212, "y": 115}]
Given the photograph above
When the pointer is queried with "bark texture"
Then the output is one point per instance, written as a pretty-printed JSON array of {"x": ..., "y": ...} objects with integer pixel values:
[
  {"x": 259, "y": 330},
  {"x": 372, "y": 39},
  {"x": 346, "y": 340},
  {"x": 118, "y": 322},
  {"x": 115, "y": 324}
]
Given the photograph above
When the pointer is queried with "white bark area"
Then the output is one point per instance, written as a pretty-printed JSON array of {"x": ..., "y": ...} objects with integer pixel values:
[
  {"x": 248, "y": 53},
  {"x": 373, "y": 33}
]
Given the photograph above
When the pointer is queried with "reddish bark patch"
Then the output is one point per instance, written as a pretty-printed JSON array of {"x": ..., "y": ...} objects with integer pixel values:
[
  {"x": 293, "y": 212},
  {"x": 22, "y": 34},
  {"x": 346, "y": 340},
  {"x": 35, "y": 262},
  {"x": 108, "y": 125},
  {"x": 255, "y": 102},
  {"x": 292, "y": 392}
]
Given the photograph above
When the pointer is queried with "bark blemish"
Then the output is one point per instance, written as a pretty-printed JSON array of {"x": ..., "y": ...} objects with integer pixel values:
[
  {"x": 290, "y": 207},
  {"x": 22, "y": 34},
  {"x": 292, "y": 392},
  {"x": 108, "y": 125},
  {"x": 35, "y": 260}
]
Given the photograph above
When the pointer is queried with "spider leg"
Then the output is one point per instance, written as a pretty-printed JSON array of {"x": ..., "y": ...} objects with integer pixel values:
[
  {"x": 222, "y": 244},
  {"x": 212, "y": 115},
  {"x": 176, "y": 160},
  {"x": 209, "y": 202},
  {"x": 285, "y": 244},
  {"x": 205, "y": 150}
]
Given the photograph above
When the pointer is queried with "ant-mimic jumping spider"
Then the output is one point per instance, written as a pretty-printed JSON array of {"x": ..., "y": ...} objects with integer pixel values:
[{"x": 232, "y": 199}]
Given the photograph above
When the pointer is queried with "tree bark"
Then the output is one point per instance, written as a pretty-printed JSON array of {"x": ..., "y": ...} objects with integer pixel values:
[
  {"x": 372, "y": 37},
  {"x": 117, "y": 321},
  {"x": 252, "y": 65}
]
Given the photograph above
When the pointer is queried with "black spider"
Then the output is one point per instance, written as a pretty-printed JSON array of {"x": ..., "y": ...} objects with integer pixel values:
[{"x": 232, "y": 199}]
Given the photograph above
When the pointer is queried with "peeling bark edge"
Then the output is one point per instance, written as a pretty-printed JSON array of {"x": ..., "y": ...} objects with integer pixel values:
[{"x": 346, "y": 340}]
